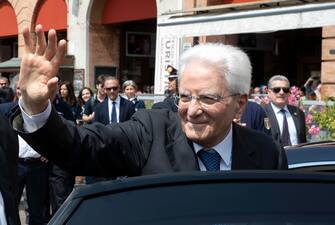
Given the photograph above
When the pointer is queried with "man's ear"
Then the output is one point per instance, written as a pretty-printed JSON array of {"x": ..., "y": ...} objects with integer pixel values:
[{"x": 241, "y": 103}]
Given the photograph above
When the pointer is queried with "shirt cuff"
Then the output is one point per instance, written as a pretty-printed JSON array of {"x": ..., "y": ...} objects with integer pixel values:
[{"x": 34, "y": 122}]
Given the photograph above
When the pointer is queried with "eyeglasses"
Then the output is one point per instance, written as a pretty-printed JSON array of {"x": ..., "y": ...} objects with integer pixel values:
[
  {"x": 204, "y": 100},
  {"x": 277, "y": 89},
  {"x": 111, "y": 88}
]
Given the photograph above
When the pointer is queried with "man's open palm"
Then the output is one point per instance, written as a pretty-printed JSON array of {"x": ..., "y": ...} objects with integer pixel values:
[{"x": 39, "y": 66}]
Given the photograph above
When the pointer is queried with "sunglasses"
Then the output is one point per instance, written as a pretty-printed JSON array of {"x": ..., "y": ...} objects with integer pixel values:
[
  {"x": 111, "y": 88},
  {"x": 277, "y": 89}
]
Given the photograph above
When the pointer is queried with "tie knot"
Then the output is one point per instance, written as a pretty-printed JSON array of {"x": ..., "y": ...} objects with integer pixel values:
[
  {"x": 113, "y": 103},
  {"x": 210, "y": 158},
  {"x": 283, "y": 111}
]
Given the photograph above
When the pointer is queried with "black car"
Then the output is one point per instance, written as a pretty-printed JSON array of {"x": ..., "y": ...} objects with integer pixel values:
[
  {"x": 208, "y": 198},
  {"x": 317, "y": 156}
]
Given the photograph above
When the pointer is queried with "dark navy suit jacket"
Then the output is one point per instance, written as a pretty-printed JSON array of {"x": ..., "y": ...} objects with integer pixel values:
[
  {"x": 255, "y": 117},
  {"x": 101, "y": 112},
  {"x": 9, "y": 151}
]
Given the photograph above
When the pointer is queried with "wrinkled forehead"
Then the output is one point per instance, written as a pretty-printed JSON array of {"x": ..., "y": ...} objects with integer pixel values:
[
  {"x": 279, "y": 83},
  {"x": 202, "y": 77}
]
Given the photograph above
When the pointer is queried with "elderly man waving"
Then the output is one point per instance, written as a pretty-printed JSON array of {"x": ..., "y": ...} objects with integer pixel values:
[{"x": 214, "y": 81}]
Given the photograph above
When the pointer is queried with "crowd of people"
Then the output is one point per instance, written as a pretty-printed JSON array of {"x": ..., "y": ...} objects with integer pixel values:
[{"x": 205, "y": 123}]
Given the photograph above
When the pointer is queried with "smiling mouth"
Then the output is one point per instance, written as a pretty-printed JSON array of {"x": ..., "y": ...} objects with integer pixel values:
[{"x": 196, "y": 123}]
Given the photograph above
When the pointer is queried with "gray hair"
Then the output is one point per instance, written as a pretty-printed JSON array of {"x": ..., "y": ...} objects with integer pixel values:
[
  {"x": 129, "y": 83},
  {"x": 106, "y": 78},
  {"x": 229, "y": 61},
  {"x": 278, "y": 77}
]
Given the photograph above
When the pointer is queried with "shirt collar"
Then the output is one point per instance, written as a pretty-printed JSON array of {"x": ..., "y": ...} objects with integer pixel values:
[
  {"x": 117, "y": 100},
  {"x": 224, "y": 148},
  {"x": 276, "y": 109}
]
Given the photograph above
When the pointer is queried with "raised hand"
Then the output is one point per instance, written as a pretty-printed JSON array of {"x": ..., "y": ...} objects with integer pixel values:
[{"x": 39, "y": 67}]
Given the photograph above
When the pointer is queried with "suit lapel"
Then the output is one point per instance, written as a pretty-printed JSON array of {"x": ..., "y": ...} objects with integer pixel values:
[
  {"x": 122, "y": 110},
  {"x": 243, "y": 156},
  {"x": 180, "y": 150},
  {"x": 273, "y": 122},
  {"x": 105, "y": 109},
  {"x": 296, "y": 121}
]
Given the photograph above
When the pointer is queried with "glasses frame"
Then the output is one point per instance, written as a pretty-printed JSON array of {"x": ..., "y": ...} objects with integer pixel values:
[
  {"x": 112, "y": 88},
  {"x": 216, "y": 98},
  {"x": 277, "y": 90}
]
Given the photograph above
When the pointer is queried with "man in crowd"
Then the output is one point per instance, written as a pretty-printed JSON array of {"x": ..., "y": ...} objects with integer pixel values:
[
  {"x": 172, "y": 91},
  {"x": 32, "y": 172},
  {"x": 8, "y": 174},
  {"x": 9, "y": 150},
  {"x": 113, "y": 109},
  {"x": 287, "y": 122},
  {"x": 214, "y": 86},
  {"x": 4, "y": 82},
  {"x": 100, "y": 96}
]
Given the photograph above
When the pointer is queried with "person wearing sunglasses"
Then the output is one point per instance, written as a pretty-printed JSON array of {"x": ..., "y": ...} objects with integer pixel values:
[
  {"x": 287, "y": 121},
  {"x": 214, "y": 84},
  {"x": 114, "y": 108}
]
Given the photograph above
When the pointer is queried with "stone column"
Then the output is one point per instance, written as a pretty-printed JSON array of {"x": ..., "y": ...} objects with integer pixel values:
[{"x": 328, "y": 62}]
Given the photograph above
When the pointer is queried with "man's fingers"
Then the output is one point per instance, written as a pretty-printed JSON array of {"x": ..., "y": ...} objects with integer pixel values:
[
  {"x": 52, "y": 87},
  {"x": 41, "y": 42},
  {"x": 28, "y": 43},
  {"x": 60, "y": 54},
  {"x": 52, "y": 45}
]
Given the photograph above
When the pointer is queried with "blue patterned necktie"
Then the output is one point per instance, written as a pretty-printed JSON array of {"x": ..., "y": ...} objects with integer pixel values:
[
  {"x": 210, "y": 158},
  {"x": 113, "y": 117},
  {"x": 285, "y": 136}
]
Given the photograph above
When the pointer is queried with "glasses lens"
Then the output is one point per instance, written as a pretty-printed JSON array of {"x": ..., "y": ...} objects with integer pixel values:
[
  {"x": 185, "y": 98},
  {"x": 207, "y": 99},
  {"x": 277, "y": 89},
  {"x": 112, "y": 88},
  {"x": 286, "y": 90}
]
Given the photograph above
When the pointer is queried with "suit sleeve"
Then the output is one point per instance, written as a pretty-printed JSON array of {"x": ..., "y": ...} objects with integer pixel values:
[{"x": 96, "y": 149}]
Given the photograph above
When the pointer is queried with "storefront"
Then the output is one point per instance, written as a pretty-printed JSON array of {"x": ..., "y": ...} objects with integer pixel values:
[{"x": 280, "y": 36}]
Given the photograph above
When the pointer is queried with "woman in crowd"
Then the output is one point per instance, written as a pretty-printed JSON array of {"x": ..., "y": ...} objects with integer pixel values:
[
  {"x": 129, "y": 88},
  {"x": 66, "y": 91},
  {"x": 85, "y": 94}
]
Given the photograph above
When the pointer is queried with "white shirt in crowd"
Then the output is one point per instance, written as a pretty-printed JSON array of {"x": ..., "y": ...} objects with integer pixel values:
[
  {"x": 117, "y": 106},
  {"x": 291, "y": 127},
  {"x": 2, "y": 212},
  {"x": 25, "y": 151}
]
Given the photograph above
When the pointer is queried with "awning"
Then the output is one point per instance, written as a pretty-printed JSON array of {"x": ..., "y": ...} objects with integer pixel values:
[
  {"x": 273, "y": 18},
  {"x": 52, "y": 15},
  {"x": 8, "y": 24},
  {"x": 13, "y": 64}
]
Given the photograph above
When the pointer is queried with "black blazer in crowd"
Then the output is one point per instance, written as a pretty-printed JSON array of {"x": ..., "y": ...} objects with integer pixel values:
[
  {"x": 151, "y": 142},
  {"x": 298, "y": 118},
  {"x": 101, "y": 113},
  {"x": 8, "y": 170}
]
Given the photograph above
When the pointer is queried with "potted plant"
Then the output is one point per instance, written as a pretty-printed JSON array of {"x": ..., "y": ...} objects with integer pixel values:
[{"x": 325, "y": 120}]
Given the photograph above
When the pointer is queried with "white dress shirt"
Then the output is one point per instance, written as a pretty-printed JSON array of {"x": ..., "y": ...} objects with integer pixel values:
[
  {"x": 117, "y": 106},
  {"x": 224, "y": 148},
  {"x": 3, "y": 220},
  {"x": 291, "y": 126},
  {"x": 25, "y": 151}
]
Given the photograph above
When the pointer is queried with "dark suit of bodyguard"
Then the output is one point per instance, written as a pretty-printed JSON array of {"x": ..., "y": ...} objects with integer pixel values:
[
  {"x": 8, "y": 171},
  {"x": 214, "y": 83}
]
